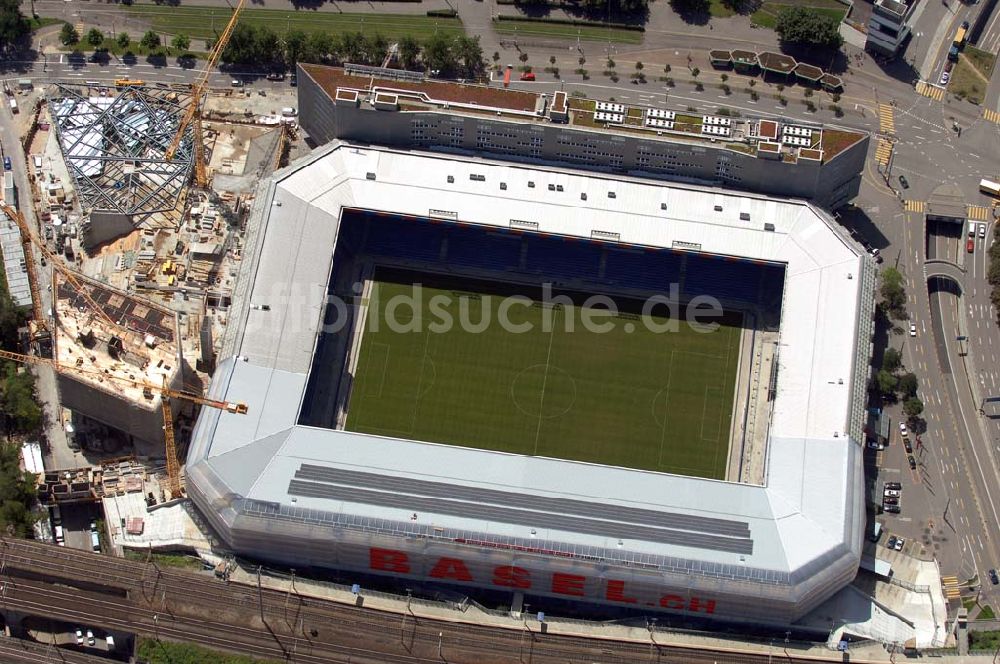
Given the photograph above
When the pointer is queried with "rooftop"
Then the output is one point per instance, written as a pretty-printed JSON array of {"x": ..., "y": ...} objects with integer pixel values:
[{"x": 807, "y": 514}]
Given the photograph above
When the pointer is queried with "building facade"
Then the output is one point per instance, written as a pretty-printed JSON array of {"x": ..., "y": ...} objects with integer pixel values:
[{"x": 890, "y": 26}]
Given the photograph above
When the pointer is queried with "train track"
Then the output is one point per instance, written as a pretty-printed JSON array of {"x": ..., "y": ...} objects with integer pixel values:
[{"x": 188, "y": 606}]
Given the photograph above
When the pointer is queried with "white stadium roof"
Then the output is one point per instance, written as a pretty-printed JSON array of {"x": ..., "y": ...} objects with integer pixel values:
[{"x": 807, "y": 519}]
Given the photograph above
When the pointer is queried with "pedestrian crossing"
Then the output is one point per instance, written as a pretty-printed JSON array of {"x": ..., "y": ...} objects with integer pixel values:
[
  {"x": 950, "y": 585},
  {"x": 914, "y": 206},
  {"x": 883, "y": 150},
  {"x": 886, "y": 120},
  {"x": 928, "y": 90},
  {"x": 991, "y": 115},
  {"x": 978, "y": 213}
]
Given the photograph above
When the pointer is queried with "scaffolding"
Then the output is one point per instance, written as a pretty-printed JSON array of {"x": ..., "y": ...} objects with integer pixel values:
[{"x": 114, "y": 144}]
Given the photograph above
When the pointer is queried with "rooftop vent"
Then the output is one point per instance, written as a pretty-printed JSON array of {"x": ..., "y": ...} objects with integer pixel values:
[
  {"x": 718, "y": 208},
  {"x": 744, "y": 216},
  {"x": 769, "y": 227},
  {"x": 552, "y": 187},
  {"x": 612, "y": 194},
  {"x": 531, "y": 185},
  {"x": 583, "y": 195},
  {"x": 503, "y": 186},
  {"x": 663, "y": 206},
  {"x": 451, "y": 179},
  {"x": 476, "y": 177},
  {"x": 370, "y": 176}
]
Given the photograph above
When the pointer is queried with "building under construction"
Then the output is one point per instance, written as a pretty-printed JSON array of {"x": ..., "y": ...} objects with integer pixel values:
[
  {"x": 111, "y": 363},
  {"x": 114, "y": 143}
]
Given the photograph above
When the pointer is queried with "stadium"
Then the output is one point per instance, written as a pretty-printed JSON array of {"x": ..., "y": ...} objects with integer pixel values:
[{"x": 543, "y": 382}]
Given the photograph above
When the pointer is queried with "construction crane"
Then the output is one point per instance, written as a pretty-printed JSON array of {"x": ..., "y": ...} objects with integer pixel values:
[
  {"x": 193, "y": 113},
  {"x": 28, "y": 237},
  {"x": 41, "y": 327},
  {"x": 166, "y": 393}
]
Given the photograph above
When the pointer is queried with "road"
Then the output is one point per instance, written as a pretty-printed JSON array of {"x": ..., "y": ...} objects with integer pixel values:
[{"x": 111, "y": 593}]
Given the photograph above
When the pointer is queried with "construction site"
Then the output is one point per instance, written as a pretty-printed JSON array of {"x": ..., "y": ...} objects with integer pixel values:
[{"x": 125, "y": 249}]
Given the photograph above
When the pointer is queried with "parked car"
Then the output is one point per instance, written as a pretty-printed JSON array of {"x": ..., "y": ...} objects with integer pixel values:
[
  {"x": 889, "y": 500},
  {"x": 970, "y": 245},
  {"x": 945, "y": 77},
  {"x": 893, "y": 485},
  {"x": 90, "y": 638},
  {"x": 9, "y": 166},
  {"x": 891, "y": 542},
  {"x": 902, "y": 430},
  {"x": 911, "y": 461},
  {"x": 892, "y": 509},
  {"x": 907, "y": 446},
  {"x": 275, "y": 76},
  {"x": 528, "y": 76},
  {"x": 79, "y": 636},
  {"x": 891, "y": 493},
  {"x": 994, "y": 579},
  {"x": 903, "y": 182},
  {"x": 982, "y": 227},
  {"x": 899, "y": 544}
]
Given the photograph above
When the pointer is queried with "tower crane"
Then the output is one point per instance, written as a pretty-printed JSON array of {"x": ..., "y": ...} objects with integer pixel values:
[
  {"x": 166, "y": 393},
  {"x": 193, "y": 113}
]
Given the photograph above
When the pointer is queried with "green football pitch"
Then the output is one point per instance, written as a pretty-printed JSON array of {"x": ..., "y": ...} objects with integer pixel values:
[{"x": 630, "y": 397}]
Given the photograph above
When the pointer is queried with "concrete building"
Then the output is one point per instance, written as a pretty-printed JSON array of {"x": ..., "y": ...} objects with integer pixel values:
[
  {"x": 890, "y": 25},
  {"x": 284, "y": 485},
  {"x": 784, "y": 158}
]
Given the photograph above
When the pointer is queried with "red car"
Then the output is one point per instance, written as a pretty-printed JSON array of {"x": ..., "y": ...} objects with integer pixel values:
[
  {"x": 528, "y": 76},
  {"x": 970, "y": 245}
]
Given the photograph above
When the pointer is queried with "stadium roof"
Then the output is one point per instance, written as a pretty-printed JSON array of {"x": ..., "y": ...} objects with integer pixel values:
[{"x": 806, "y": 519}]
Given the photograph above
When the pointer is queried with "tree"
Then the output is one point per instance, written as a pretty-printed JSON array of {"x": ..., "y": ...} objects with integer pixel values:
[
  {"x": 913, "y": 407},
  {"x": 908, "y": 385},
  {"x": 180, "y": 42},
  {"x": 886, "y": 382},
  {"x": 95, "y": 37},
  {"x": 724, "y": 77},
  {"x": 685, "y": 7},
  {"x": 639, "y": 66},
  {"x": 892, "y": 360},
  {"x": 470, "y": 54},
  {"x": 438, "y": 55},
  {"x": 151, "y": 40},
  {"x": 806, "y": 26},
  {"x": 68, "y": 35},
  {"x": 893, "y": 293},
  {"x": 552, "y": 60},
  {"x": 695, "y": 71},
  {"x": 13, "y": 25},
  {"x": 523, "y": 57},
  {"x": 123, "y": 40},
  {"x": 295, "y": 45}
]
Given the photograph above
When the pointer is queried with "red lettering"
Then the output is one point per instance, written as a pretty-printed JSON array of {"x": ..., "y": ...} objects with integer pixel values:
[
  {"x": 616, "y": 592},
  {"x": 672, "y": 602},
  {"x": 511, "y": 577},
  {"x": 704, "y": 605},
  {"x": 387, "y": 560},
  {"x": 568, "y": 584},
  {"x": 451, "y": 568}
]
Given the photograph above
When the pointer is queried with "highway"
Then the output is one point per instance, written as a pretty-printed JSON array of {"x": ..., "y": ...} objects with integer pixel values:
[{"x": 112, "y": 593}]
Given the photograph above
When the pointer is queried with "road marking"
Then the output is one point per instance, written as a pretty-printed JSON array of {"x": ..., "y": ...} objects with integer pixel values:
[
  {"x": 914, "y": 206},
  {"x": 991, "y": 115},
  {"x": 930, "y": 90},
  {"x": 978, "y": 212},
  {"x": 886, "y": 121}
]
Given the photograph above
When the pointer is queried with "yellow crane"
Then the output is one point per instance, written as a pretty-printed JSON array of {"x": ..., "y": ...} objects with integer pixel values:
[
  {"x": 193, "y": 112},
  {"x": 29, "y": 265},
  {"x": 166, "y": 393}
]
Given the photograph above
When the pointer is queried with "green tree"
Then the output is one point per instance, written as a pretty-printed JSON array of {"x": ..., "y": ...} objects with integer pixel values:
[
  {"x": 151, "y": 40},
  {"x": 13, "y": 25},
  {"x": 180, "y": 42},
  {"x": 893, "y": 292},
  {"x": 68, "y": 35},
  {"x": 95, "y": 37},
  {"x": 892, "y": 360},
  {"x": 18, "y": 402},
  {"x": 913, "y": 407},
  {"x": 409, "y": 51},
  {"x": 886, "y": 382},
  {"x": 123, "y": 40},
  {"x": 806, "y": 26},
  {"x": 295, "y": 45},
  {"x": 686, "y": 7},
  {"x": 908, "y": 385},
  {"x": 469, "y": 54},
  {"x": 438, "y": 55}
]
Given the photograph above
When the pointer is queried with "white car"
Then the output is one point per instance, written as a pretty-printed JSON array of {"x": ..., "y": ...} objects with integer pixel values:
[
  {"x": 892, "y": 493},
  {"x": 902, "y": 429},
  {"x": 899, "y": 544},
  {"x": 945, "y": 77},
  {"x": 90, "y": 638},
  {"x": 913, "y": 329},
  {"x": 79, "y": 636},
  {"x": 982, "y": 230}
]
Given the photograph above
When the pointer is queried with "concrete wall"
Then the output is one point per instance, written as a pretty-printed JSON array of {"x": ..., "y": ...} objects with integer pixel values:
[{"x": 829, "y": 184}]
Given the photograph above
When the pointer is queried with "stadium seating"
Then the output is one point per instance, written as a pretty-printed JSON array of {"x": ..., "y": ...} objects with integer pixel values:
[{"x": 556, "y": 258}]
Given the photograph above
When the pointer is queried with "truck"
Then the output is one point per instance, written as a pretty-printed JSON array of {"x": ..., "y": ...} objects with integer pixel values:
[
  {"x": 13, "y": 105},
  {"x": 989, "y": 187},
  {"x": 95, "y": 540}
]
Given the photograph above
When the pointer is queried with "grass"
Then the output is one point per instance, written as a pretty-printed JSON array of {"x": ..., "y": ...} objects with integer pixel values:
[
  {"x": 42, "y": 21},
  {"x": 767, "y": 15},
  {"x": 206, "y": 22},
  {"x": 177, "y": 560},
  {"x": 984, "y": 640},
  {"x": 986, "y": 613},
  {"x": 564, "y": 31},
  {"x": 152, "y": 651},
  {"x": 971, "y": 74},
  {"x": 719, "y": 9},
  {"x": 639, "y": 399}
]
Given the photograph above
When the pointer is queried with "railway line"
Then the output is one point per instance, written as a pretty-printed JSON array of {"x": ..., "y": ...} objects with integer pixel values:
[{"x": 172, "y": 604}]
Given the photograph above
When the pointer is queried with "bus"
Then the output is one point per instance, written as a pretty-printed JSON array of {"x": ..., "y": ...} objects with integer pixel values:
[{"x": 989, "y": 187}]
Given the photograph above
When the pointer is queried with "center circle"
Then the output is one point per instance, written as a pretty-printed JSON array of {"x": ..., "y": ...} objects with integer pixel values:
[{"x": 559, "y": 387}]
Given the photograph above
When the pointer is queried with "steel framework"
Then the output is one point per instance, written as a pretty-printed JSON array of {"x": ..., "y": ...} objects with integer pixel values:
[{"x": 114, "y": 146}]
